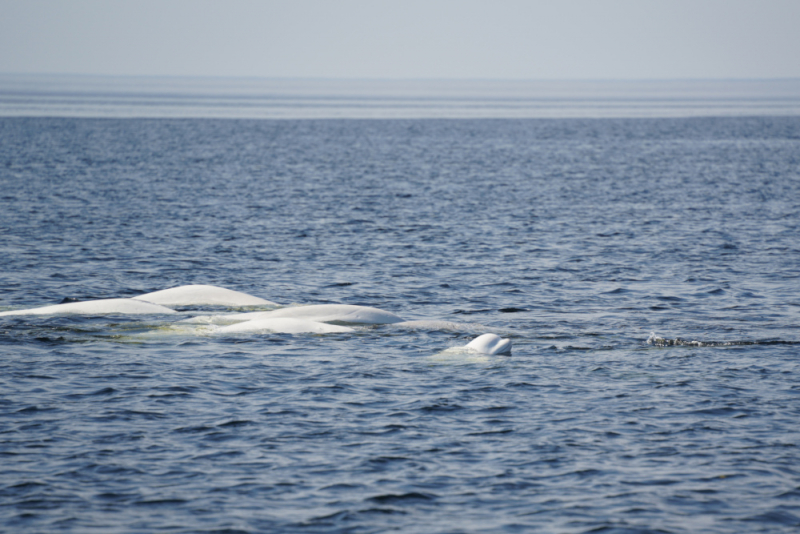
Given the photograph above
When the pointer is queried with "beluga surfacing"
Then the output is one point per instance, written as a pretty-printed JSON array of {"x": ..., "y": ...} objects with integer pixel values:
[
  {"x": 323, "y": 313},
  {"x": 490, "y": 344},
  {"x": 298, "y": 319},
  {"x": 203, "y": 295},
  {"x": 283, "y": 325},
  {"x": 157, "y": 302},
  {"x": 97, "y": 307},
  {"x": 479, "y": 350}
]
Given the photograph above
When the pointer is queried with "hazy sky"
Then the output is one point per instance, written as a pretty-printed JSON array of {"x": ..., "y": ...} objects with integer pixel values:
[{"x": 555, "y": 39}]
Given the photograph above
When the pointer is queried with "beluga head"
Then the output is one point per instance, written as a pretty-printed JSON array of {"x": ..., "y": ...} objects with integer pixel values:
[{"x": 490, "y": 344}]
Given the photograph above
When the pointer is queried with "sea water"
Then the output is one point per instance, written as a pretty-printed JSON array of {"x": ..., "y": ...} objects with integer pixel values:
[{"x": 647, "y": 271}]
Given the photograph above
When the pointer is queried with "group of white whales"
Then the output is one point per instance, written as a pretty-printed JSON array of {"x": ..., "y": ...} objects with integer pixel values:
[{"x": 316, "y": 319}]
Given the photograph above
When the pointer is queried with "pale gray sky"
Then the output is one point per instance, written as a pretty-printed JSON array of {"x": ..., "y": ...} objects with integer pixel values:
[{"x": 506, "y": 39}]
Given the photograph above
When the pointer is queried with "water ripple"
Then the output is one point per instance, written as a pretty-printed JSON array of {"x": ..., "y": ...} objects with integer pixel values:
[{"x": 577, "y": 239}]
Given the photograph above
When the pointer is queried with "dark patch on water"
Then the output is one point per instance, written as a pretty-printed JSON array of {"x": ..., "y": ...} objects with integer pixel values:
[{"x": 402, "y": 499}]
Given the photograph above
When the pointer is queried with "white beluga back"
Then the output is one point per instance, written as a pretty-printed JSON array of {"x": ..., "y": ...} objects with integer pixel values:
[
  {"x": 97, "y": 307},
  {"x": 322, "y": 313},
  {"x": 314, "y": 318},
  {"x": 490, "y": 344},
  {"x": 479, "y": 350},
  {"x": 337, "y": 313},
  {"x": 283, "y": 325},
  {"x": 202, "y": 295}
]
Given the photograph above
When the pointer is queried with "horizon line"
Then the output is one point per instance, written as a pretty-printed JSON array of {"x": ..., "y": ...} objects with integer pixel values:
[{"x": 385, "y": 79}]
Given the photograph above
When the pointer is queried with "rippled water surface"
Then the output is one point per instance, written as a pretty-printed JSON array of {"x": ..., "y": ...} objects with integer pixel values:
[{"x": 578, "y": 239}]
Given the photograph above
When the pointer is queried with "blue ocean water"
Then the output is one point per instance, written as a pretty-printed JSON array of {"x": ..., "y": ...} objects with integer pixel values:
[{"x": 646, "y": 270}]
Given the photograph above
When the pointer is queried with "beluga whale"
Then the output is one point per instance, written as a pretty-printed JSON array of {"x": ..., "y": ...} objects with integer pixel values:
[
  {"x": 342, "y": 314},
  {"x": 479, "y": 350},
  {"x": 283, "y": 325},
  {"x": 490, "y": 344},
  {"x": 202, "y": 295},
  {"x": 97, "y": 307}
]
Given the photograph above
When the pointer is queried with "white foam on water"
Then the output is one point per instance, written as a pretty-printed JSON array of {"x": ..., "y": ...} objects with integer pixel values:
[
  {"x": 202, "y": 295},
  {"x": 678, "y": 342},
  {"x": 97, "y": 307}
]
